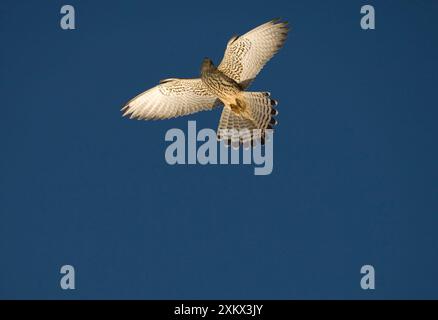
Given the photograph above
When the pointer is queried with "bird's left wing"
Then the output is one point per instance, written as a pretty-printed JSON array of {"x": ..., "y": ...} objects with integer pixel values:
[
  {"x": 246, "y": 55},
  {"x": 171, "y": 98}
]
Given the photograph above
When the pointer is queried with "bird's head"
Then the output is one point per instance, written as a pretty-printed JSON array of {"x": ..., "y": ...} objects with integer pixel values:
[{"x": 207, "y": 64}]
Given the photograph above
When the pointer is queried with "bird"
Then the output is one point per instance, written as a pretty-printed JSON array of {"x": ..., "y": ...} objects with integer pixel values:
[{"x": 246, "y": 115}]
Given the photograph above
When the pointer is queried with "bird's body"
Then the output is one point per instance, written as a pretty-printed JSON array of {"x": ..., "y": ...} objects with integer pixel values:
[
  {"x": 225, "y": 88},
  {"x": 244, "y": 111}
]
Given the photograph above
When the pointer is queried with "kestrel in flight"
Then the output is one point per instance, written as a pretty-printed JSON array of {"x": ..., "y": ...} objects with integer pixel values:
[{"x": 244, "y": 112}]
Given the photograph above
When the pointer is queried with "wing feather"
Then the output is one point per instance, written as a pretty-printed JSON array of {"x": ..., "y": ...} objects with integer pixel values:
[
  {"x": 246, "y": 55},
  {"x": 171, "y": 98}
]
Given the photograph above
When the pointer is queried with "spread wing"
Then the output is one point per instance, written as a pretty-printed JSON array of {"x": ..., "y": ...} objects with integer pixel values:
[
  {"x": 171, "y": 98},
  {"x": 246, "y": 55}
]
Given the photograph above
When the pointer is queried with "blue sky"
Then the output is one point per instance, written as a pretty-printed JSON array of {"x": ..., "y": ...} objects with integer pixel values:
[{"x": 354, "y": 180}]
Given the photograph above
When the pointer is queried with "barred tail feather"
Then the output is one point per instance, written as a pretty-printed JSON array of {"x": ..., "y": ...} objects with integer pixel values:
[{"x": 261, "y": 109}]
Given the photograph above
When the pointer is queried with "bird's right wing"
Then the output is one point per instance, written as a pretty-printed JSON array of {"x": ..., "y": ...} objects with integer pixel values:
[
  {"x": 171, "y": 98},
  {"x": 246, "y": 55}
]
